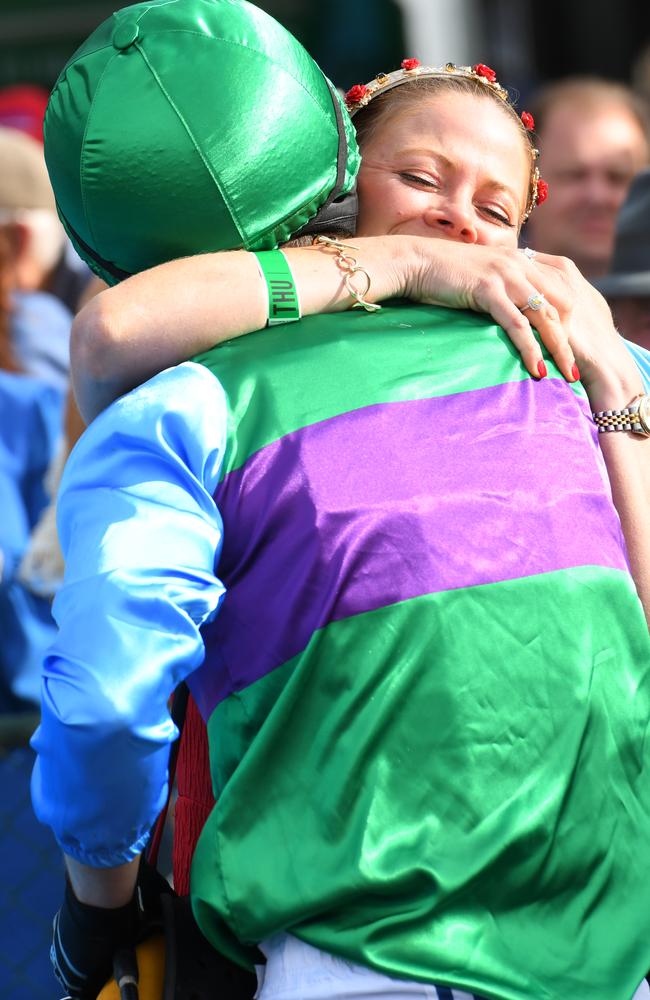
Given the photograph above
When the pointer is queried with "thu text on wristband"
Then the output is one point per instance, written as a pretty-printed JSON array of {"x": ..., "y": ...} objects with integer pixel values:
[{"x": 284, "y": 306}]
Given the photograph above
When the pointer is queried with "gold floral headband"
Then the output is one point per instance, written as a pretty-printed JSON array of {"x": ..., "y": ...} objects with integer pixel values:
[{"x": 361, "y": 95}]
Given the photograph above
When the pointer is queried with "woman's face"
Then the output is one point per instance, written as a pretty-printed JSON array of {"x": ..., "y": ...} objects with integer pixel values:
[{"x": 454, "y": 166}]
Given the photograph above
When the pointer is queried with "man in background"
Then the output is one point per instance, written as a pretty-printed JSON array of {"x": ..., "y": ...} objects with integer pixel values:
[{"x": 593, "y": 137}]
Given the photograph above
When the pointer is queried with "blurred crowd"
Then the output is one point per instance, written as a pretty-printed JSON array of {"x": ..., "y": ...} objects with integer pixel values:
[
  {"x": 594, "y": 138},
  {"x": 42, "y": 284}
]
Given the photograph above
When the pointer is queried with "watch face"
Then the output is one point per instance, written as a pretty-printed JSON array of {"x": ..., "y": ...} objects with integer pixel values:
[{"x": 644, "y": 413}]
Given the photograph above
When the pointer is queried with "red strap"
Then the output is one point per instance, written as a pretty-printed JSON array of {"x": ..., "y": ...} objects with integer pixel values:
[
  {"x": 195, "y": 799},
  {"x": 178, "y": 703}
]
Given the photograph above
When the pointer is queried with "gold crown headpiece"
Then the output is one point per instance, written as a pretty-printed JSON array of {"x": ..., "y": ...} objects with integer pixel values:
[{"x": 361, "y": 94}]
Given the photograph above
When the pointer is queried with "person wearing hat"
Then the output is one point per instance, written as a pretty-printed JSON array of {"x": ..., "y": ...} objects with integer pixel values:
[
  {"x": 41, "y": 257},
  {"x": 42, "y": 288},
  {"x": 34, "y": 363},
  {"x": 33, "y": 240},
  {"x": 372, "y": 817},
  {"x": 48, "y": 283},
  {"x": 627, "y": 285}
]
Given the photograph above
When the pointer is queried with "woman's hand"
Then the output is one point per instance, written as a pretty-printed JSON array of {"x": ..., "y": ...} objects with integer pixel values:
[
  {"x": 607, "y": 369},
  {"x": 500, "y": 281}
]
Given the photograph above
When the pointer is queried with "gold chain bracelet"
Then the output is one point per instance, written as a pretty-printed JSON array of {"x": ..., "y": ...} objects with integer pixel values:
[{"x": 350, "y": 266}]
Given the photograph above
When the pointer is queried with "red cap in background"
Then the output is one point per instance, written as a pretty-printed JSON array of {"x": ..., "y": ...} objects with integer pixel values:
[{"x": 22, "y": 106}]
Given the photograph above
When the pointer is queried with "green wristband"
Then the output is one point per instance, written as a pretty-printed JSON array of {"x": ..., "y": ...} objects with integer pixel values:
[{"x": 284, "y": 306}]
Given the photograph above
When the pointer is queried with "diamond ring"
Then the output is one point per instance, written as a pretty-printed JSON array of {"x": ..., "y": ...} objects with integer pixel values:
[
  {"x": 529, "y": 252},
  {"x": 535, "y": 302}
]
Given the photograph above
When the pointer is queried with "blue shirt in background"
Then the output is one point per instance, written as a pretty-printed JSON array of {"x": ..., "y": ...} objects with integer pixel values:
[
  {"x": 31, "y": 416},
  {"x": 39, "y": 326}
]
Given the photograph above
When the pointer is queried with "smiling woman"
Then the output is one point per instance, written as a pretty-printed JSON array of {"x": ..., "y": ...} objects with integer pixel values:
[{"x": 424, "y": 174}]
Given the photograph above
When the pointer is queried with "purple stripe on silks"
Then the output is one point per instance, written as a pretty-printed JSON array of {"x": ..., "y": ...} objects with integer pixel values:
[{"x": 398, "y": 500}]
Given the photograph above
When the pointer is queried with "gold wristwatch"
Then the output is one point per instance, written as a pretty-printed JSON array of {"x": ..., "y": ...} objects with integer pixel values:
[{"x": 635, "y": 417}]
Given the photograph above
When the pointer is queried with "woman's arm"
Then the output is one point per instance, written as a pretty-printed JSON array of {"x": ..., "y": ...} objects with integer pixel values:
[
  {"x": 627, "y": 457},
  {"x": 167, "y": 314},
  {"x": 612, "y": 380}
]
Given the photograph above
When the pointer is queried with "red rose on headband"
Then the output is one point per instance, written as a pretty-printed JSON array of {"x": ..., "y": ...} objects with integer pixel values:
[
  {"x": 410, "y": 63},
  {"x": 528, "y": 120},
  {"x": 542, "y": 191},
  {"x": 482, "y": 70},
  {"x": 356, "y": 93}
]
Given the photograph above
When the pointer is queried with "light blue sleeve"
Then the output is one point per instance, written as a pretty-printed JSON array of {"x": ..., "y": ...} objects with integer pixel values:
[
  {"x": 642, "y": 358},
  {"x": 141, "y": 535}
]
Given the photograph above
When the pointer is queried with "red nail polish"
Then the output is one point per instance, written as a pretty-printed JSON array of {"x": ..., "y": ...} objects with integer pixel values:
[
  {"x": 541, "y": 368},
  {"x": 575, "y": 372}
]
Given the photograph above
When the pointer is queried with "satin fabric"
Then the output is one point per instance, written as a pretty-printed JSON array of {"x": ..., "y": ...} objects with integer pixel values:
[
  {"x": 192, "y": 96},
  {"x": 385, "y": 530},
  {"x": 416, "y": 789},
  {"x": 424, "y": 767}
]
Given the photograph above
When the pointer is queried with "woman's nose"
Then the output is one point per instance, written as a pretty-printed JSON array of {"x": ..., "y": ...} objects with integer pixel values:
[{"x": 453, "y": 220}]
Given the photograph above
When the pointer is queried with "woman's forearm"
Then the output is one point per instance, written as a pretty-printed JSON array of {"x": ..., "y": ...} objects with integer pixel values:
[
  {"x": 163, "y": 316},
  {"x": 627, "y": 457},
  {"x": 612, "y": 380},
  {"x": 167, "y": 314}
]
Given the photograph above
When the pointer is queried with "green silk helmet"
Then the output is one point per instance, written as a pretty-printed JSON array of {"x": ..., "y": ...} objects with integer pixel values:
[{"x": 186, "y": 126}]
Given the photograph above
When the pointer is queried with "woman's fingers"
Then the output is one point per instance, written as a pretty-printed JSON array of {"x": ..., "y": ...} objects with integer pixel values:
[
  {"x": 516, "y": 324},
  {"x": 520, "y": 290},
  {"x": 519, "y": 295},
  {"x": 555, "y": 337},
  {"x": 542, "y": 294}
]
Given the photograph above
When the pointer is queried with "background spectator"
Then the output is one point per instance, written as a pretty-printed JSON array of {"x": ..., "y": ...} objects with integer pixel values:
[
  {"x": 47, "y": 282},
  {"x": 23, "y": 107},
  {"x": 34, "y": 358},
  {"x": 593, "y": 137},
  {"x": 627, "y": 285},
  {"x": 640, "y": 75},
  {"x": 30, "y": 431},
  {"x": 34, "y": 337},
  {"x": 40, "y": 255}
]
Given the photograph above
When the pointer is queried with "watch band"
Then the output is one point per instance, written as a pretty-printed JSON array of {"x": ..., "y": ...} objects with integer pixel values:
[{"x": 635, "y": 417}]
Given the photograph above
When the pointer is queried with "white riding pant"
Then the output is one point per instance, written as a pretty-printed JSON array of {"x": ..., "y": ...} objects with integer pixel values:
[{"x": 297, "y": 971}]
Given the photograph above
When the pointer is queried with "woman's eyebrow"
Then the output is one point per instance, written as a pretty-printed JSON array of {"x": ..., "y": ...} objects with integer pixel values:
[
  {"x": 496, "y": 186},
  {"x": 433, "y": 154},
  {"x": 500, "y": 188}
]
